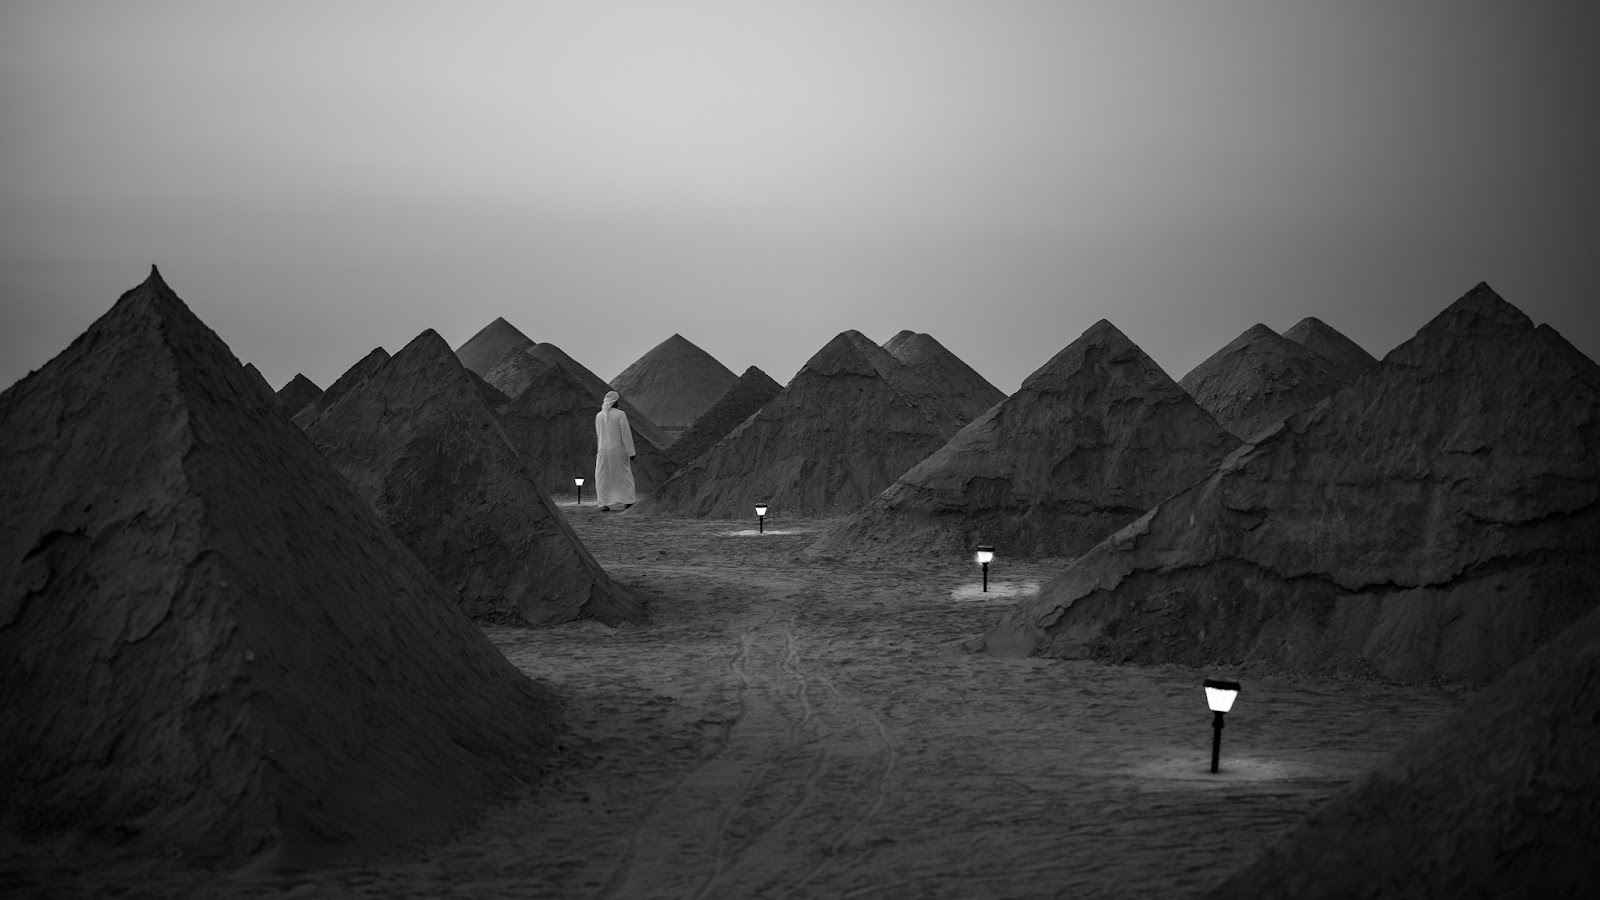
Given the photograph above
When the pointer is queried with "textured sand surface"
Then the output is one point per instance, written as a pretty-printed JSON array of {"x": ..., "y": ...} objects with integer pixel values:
[{"x": 794, "y": 728}]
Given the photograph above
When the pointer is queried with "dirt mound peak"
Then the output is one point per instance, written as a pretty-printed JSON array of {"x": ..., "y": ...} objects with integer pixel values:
[
  {"x": 753, "y": 390},
  {"x": 674, "y": 383},
  {"x": 1347, "y": 356},
  {"x": 298, "y": 393},
  {"x": 1259, "y": 378},
  {"x": 490, "y": 345},
  {"x": 218, "y": 653},
  {"x": 945, "y": 372},
  {"x": 351, "y": 379}
]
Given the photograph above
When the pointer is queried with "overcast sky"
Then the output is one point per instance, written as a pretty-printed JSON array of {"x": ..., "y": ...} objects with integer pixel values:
[{"x": 317, "y": 179}]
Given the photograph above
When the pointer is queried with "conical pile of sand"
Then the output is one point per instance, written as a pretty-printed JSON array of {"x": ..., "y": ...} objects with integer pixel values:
[
  {"x": 259, "y": 380},
  {"x": 1259, "y": 378},
  {"x": 850, "y": 422},
  {"x": 416, "y": 441},
  {"x": 215, "y": 651},
  {"x": 1438, "y": 518},
  {"x": 753, "y": 390},
  {"x": 1501, "y": 800},
  {"x": 674, "y": 383},
  {"x": 549, "y": 419},
  {"x": 299, "y": 393},
  {"x": 643, "y": 425},
  {"x": 1092, "y": 439},
  {"x": 1349, "y": 360},
  {"x": 484, "y": 350},
  {"x": 350, "y": 380},
  {"x": 945, "y": 372}
]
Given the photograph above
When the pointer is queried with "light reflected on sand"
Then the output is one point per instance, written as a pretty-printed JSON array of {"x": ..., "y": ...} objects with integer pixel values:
[
  {"x": 1194, "y": 768},
  {"x": 1007, "y": 591},
  {"x": 770, "y": 532}
]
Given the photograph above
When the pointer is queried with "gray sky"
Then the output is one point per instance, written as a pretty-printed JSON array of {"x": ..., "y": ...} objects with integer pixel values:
[{"x": 316, "y": 179}]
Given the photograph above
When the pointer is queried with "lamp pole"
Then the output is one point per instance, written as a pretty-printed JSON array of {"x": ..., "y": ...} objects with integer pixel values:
[
  {"x": 578, "y": 482},
  {"x": 761, "y": 518},
  {"x": 1219, "y": 696},
  {"x": 985, "y": 554}
]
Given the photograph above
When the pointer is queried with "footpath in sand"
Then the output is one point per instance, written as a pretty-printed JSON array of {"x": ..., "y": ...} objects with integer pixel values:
[{"x": 791, "y": 727}]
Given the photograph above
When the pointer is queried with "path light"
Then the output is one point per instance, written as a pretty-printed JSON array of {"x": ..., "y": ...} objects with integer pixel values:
[
  {"x": 1219, "y": 696},
  {"x": 985, "y": 556},
  {"x": 761, "y": 518},
  {"x": 579, "y": 483}
]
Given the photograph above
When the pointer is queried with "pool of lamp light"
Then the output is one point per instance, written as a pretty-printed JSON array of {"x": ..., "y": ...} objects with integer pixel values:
[
  {"x": 1193, "y": 768},
  {"x": 999, "y": 591},
  {"x": 770, "y": 532}
]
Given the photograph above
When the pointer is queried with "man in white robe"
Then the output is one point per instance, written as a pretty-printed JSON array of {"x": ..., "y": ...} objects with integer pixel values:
[{"x": 613, "y": 469}]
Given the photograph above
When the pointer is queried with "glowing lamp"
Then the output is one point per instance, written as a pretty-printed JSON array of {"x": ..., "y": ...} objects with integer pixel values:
[
  {"x": 1219, "y": 696},
  {"x": 579, "y": 483},
  {"x": 985, "y": 556},
  {"x": 761, "y": 518}
]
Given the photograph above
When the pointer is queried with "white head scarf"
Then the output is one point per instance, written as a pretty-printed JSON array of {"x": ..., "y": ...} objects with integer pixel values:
[{"x": 610, "y": 401}]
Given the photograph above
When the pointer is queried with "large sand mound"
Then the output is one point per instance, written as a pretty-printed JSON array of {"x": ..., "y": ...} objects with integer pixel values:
[
  {"x": 1502, "y": 800},
  {"x": 1438, "y": 518},
  {"x": 1259, "y": 378},
  {"x": 753, "y": 390},
  {"x": 298, "y": 393},
  {"x": 674, "y": 383},
  {"x": 415, "y": 440},
  {"x": 1348, "y": 358},
  {"x": 484, "y": 350},
  {"x": 851, "y": 421},
  {"x": 1090, "y": 441},
  {"x": 947, "y": 373},
  {"x": 213, "y": 649},
  {"x": 643, "y": 425},
  {"x": 350, "y": 380}
]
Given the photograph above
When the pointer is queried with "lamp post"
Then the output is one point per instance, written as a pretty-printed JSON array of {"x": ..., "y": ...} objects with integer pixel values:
[
  {"x": 1219, "y": 696},
  {"x": 761, "y": 518},
  {"x": 985, "y": 556},
  {"x": 579, "y": 483}
]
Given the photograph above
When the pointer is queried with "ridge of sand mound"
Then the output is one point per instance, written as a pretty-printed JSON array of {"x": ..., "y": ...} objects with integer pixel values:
[
  {"x": 851, "y": 421},
  {"x": 948, "y": 373},
  {"x": 260, "y": 381},
  {"x": 1347, "y": 356},
  {"x": 1501, "y": 800},
  {"x": 493, "y": 341},
  {"x": 351, "y": 379},
  {"x": 550, "y": 421},
  {"x": 416, "y": 441},
  {"x": 216, "y": 651},
  {"x": 1259, "y": 378},
  {"x": 753, "y": 390},
  {"x": 643, "y": 425},
  {"x": 299, "y": 393},
  {"x": 1091, "y": 440},
  {"x": 1438, "y": 518},
  {"x": 674, "y": 383}
]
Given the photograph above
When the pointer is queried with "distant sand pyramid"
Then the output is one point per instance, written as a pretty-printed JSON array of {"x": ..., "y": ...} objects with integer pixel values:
[
  {"x": 1091, "y": 440},
  {"x": 752, "y": 391},
  {"x": 1501, "y": 800},
  {"x": 1438, "y": 518},
  {"x": 259, "y": 380},
  {"x": 299, "y": 393},
  {"x": 1349, "y": 360},
  {"x": 416, "y": 441},
  {"x": 550, "y": 421},
  {"x": 674, "y": 383},
  {"x": 1259, "y": 378},
  {"x": 643, "y": 425},
  {"x": 351, "y": 379},
  {"x": 969, "y": 391},
  {"x": 485, "y": 349},
  {"x": 850, "y": 422},
  {"x": 214, "y": 651}
]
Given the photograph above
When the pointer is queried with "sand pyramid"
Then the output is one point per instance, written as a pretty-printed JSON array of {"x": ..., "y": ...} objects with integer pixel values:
[
  {"x": 1349, "y": 360},
  {"x": 643, "y": 425},
  {"x": 945, "y": 371},
  {"x": 674, "y": 383},
  {"x": 753, "y": 390},
  {"x": 299, "y": 393},
  {"x": 1259, "y": 378},
  {"x": 549, "y": 419},
  {"x": 214, "y": 650},
  {"x": 1091, "y": 440},
  {"x": 1500, "y": 800},
  {"x": 850, "y": 422},
  {"x": 485, "y": 349},
  {"x": 416, "y": 441},
  {"x": 351, "y": 379},
  {"x": 1438, "y": 518},
  {"x": 259, "y": 380}
]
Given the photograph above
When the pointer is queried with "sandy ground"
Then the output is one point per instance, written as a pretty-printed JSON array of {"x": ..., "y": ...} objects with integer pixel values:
[{"x": 790, "y": 727}]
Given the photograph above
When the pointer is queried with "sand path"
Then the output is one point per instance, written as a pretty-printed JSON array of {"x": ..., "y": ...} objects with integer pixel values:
[{"x": 788, "y": 727}]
